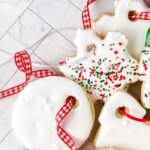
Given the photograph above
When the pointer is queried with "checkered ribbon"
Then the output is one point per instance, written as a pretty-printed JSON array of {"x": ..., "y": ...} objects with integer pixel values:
[
  {"x": 23, "y": 63},
  {"x": 140, "y": 16},
  {"x": 86, "y": 19},
  {"x": 63, "y": 135}
]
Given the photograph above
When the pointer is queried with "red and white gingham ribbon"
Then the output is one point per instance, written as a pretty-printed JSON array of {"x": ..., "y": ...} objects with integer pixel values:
[
  {"x": 86, "y": 19},
  {"x": 140, "y": 16},
  {"x": 23, "y": 62},
  {"x": 63, "y": 112}
]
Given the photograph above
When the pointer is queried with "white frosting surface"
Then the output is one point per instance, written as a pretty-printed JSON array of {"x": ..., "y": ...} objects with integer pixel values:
[
  {"x": 34, "y": 114},
  {"x": 135, "y": 31},
  {"x": 103, "y": 70},
  {"x": 144, "y": 75},
  {"x": 123, "y": 132}
]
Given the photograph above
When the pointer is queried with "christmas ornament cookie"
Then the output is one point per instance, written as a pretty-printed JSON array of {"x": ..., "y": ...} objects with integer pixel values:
[
  {"x": 144, "y": 75},
  {"x": 120, "y": 131},
  {"x": 34, "y": 114},
  {"x": 134, "y": 30},
  {"x": 101, "y": 66}
]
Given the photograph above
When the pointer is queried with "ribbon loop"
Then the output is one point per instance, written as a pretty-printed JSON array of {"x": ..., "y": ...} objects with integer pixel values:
[
  {"x": 23, "y": 63},
  {"x": 62, "y": 113},
  {"x": 86, "y": 19}
]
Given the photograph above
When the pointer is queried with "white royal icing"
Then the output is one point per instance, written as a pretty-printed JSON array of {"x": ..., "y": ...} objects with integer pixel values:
[
  {"x": 135, "y": 31},
  {"x": 105, "y": 69},
  {"x": 123, "y": 132},
  {"x": 34, "y": 114},
  {"x": 144, "y": 75}
]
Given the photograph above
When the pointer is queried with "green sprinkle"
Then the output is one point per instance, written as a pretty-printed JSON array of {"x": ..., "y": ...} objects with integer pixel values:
[{"x": 88, "y": 81}]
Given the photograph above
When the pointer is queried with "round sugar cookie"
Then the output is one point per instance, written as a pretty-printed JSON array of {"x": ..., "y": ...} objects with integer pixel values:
[
  {"x": 135, "y": 31},
  {"x": 120, "y": 131},
  {"x": 101, "y": 66},
  {"x": 35, "y": 110},
  {"x": 144, "y": 75}
]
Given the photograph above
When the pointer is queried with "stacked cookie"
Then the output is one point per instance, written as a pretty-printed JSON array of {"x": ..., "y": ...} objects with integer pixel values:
[{"x": 109, "y": 59}]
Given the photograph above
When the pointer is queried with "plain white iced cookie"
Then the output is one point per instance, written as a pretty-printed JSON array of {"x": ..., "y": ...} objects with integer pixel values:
[
  {"x": 101, "y": 66},
  {"x": 135, "y": 31},
  {"x": 144, "y": 75},
  {"x": 122, "y": 132},
  {"x": 34, "y": 114}
]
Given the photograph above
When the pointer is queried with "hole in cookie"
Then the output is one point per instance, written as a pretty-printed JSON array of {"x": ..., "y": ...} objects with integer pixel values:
[
  {"x": 132, "y": 14},
  {"x": 119, "y": 112},
  {"x": 91, "y": 47},
  {"x": 74, "y": 101}
]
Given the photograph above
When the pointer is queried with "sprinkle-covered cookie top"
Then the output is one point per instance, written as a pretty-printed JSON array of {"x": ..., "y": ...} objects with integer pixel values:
[
  {"x": 144, "y": 75},
  {"x": 105, "y": 69}
]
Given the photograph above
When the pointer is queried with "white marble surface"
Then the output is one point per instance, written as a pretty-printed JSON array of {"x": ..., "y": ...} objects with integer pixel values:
[
  {"x": 25, "y": 33},
  {"x": 46, "y": 29}
]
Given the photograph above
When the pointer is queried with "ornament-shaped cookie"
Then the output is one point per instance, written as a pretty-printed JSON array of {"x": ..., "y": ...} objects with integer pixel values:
[
  {"x": 101, "y": 66},
  {"x": 135, "y": 31},
  {"x": 35, "y": 110},
  {"x": 123, "y": 132},
  {"x": 144, "y": 75}
]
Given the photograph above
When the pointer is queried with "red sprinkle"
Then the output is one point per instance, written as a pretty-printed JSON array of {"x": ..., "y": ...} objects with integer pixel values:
[
  {"x": 120, "y": 43},
  {"x": 142, "y": 74},
  {"x": 115, "y": 52},
  {"x": 62, "y": 62},
  {"x": 106, "y": 83},
  {"x": 109, "y": 79},
  {"x": 101, "y": 73},
  {"x": 80, "y": 74},
  {"x": 146, "y": 95},
  {"x": 102, "y": 95}
]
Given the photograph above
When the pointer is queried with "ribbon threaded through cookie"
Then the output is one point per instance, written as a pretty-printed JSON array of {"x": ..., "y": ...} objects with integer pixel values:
[
  {"x": 62, "y": 113},
  {"x": 23, "y": 63},
  {"x": 125, "y": 113},
  {"x": 140, "y": 16},
  {"x": 86, "y": 19}
]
